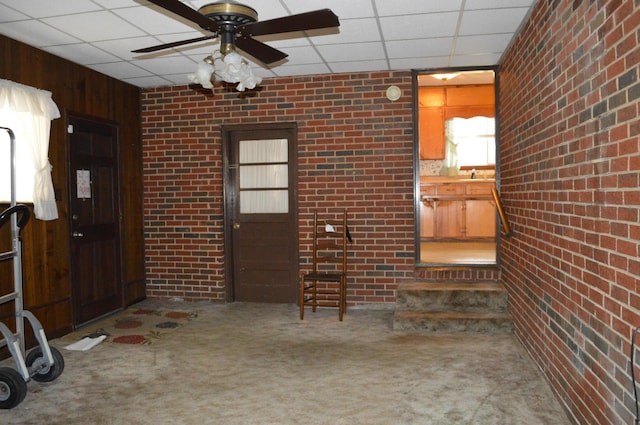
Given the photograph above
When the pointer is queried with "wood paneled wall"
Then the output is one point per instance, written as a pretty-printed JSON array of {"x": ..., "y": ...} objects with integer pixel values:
[{"x": 76, "y": 89}]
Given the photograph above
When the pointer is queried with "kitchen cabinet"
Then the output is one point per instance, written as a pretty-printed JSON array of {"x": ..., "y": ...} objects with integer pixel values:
[
  {"x": 431, "y": 130},
  {"x": 457, "y": 210}
]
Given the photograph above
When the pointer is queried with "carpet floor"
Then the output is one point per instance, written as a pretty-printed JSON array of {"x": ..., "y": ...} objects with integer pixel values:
[{"x": 259, "y": 364}]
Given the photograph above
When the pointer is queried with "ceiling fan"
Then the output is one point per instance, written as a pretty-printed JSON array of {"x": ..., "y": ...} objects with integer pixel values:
[{"x": 236, "y": 24}]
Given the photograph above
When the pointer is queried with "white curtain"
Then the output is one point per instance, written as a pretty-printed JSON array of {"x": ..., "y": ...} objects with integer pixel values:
[
  {"x": 263, "y": 167},
  {"x": 28, "y": 112}
]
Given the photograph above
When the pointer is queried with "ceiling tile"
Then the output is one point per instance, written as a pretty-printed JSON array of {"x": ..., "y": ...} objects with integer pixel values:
[
  {"x": 419, "y": 26},
  {"x": 151, "y": 81},
  {"x": 302, "y": 55},
  {"x": 309, "y": 69},
  {"x": 351, "y": 52},
  {"x": 172, "y": 65},
  {"x": 83, "y": 54},
  {"x": 35, "y": 33},
  {"x": 421, "y": 63},
  {"x": 482, "y": 43},
  {"x": 267, "y": 9},
  {"x": 94, "y": 26},
  {"x": 476, "y": 60},
  {"x": 116, "y": 4},
  {"x": 412, "y": 7},
  {"x": 7, "y": 14},
  {"x": 120, "y": 69},
  {"x": 122, "y": 47},
  {"x": 163, "y": 22},
  {"x": 344, "y": 9},
  {"x": 41, "y": 9},
  {"x": 491, "y": 21},
  {"x": 351, "y": 31},
  {"x": 420, "y": 47},
  {"x": 359, "y": 66},
  {"x": 495, "y": 4}
]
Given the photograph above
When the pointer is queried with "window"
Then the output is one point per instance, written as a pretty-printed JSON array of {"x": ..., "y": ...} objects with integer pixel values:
[
  {"x": 474, "y": 139},
  {"x": 28, "y": 112}
]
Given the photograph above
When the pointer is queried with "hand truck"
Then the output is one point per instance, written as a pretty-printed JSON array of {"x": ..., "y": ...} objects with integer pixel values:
[{"x": 43, "y": 363}]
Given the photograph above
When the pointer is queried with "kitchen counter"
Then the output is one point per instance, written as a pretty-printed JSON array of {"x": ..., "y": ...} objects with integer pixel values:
[
  {"x": 449, "y": 179},
  {"x": 457, "y": 208}
]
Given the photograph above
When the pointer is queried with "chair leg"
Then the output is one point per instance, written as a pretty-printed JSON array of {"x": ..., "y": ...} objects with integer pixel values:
[
  {"x": 301, "y": 297},
  {"x": 343, "y": 298}
]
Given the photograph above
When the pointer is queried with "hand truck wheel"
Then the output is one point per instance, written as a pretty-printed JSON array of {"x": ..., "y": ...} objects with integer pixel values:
[
  {"x": 45, "y": 372},
  {"x": 13, "y": 388}
]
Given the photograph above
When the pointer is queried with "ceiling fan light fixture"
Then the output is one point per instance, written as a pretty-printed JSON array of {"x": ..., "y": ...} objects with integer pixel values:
[
  {"x": 230, "y": 68},
  {"x": 203, "y": 74},
  {"x": 237, "y": 70}
]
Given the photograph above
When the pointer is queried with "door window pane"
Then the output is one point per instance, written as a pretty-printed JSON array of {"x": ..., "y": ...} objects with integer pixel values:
[{"x": 264, "y": 176}]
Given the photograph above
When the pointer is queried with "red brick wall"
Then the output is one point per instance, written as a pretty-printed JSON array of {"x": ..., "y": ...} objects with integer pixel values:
[
  {"x": 570, "y": 175},
  {"x": 355, "y": 151}
]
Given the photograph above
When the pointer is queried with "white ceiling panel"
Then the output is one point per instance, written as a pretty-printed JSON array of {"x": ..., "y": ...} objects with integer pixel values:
[
  {"x": 351, "y": 31},
  {"x": 419, "y": 47},
  {"x": 302, "y": 56},
  {"x": 163, "y": 22},
  {"x": 347, "y": 52},
  {"x": 121, "y": 69},
  {"x": 492, "y": 43},
  {"x": 10, "y": 15},
  {"x": 41, "y": 9},
  {"x": 94, "y": 26},
  {"x": 36, "y": 33},
  {"x": 419, "y": 26},
  {"x": 84, "y": 54},
  {"x": 344, "y": 9},
  {"x": 496, "y": 21},
  {"x": 293, "y": 70},
  {"x": 413, "y": 7},
  {"x": 374, "y": 35}
]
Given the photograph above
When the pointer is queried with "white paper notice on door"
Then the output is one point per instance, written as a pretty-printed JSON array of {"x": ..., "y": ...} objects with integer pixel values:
[{"x": 83, "y": 184}]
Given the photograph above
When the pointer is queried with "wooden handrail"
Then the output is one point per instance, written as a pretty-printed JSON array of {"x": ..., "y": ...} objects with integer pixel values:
[{"x": 504, "y": 221}]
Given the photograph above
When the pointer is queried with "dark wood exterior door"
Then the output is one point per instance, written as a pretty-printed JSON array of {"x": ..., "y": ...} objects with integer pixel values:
[
  {"x": 94, "y": 218},
  {"x": 261, "y": 213}
]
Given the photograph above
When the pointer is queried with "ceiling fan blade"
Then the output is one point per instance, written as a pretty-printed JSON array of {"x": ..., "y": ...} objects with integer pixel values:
[
  {"x": 174, "y": 44},
  {"x": 323, "y": 18},
  {"x": 186, "y": 12},
  {"x": 259, "y": 50}
]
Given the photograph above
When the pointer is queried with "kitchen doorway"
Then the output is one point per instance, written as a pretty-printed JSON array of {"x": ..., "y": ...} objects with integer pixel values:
[{"x": 456, "y": 167}]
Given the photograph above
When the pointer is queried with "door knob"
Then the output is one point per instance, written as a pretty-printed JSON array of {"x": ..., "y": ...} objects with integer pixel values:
[
  {"x": 236, "y": 225},
  {"x": 77, "y": 234}
]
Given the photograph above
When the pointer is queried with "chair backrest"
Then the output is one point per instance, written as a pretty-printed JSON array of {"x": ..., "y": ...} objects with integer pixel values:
[{"x": 330, "y": 244}]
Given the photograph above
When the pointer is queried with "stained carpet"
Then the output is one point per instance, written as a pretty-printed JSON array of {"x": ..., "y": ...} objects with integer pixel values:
[{"x": 259, "y": 364}]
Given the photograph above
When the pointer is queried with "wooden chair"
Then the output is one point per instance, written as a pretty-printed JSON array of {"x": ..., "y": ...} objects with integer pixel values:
[{"x": 326, "y": 284}]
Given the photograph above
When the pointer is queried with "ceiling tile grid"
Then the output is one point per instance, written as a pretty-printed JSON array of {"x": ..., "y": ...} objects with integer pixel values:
[{"x": 373, "y": 35}]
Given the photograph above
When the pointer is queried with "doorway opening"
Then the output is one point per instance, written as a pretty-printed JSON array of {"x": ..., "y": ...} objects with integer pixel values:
[{"x": 456, "y": 167}]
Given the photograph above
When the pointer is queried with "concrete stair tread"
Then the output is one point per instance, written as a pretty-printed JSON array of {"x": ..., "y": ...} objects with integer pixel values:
[
  {"x": 452, "y": 307},
  {"x": 450, "y": 315},
  {"x": 452, "y": 322}
]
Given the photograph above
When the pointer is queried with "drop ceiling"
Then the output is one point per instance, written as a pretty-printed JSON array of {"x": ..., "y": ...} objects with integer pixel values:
[{"x": 374, "y": 35}]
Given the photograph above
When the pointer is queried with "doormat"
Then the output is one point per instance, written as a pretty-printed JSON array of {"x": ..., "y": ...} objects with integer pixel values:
[{"x": 139, "y": 326}]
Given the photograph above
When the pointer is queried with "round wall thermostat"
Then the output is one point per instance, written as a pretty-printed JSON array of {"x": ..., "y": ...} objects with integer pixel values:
[{"x": 394, "y": 93}]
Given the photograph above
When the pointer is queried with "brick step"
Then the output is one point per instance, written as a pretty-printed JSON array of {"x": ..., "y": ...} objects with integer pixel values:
[
  {"x": 452, "y": 297},
  {"x": 452, "y": 307},
  {"x": 452, "y": 323}
]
